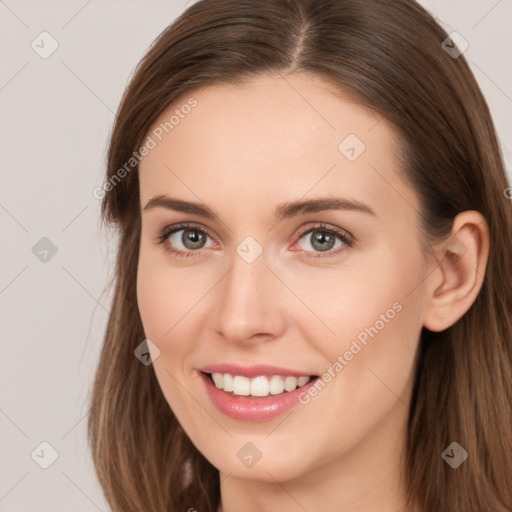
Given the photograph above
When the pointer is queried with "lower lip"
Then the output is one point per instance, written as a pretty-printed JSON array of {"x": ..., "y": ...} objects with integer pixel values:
[{"x": 248, "y": 408}]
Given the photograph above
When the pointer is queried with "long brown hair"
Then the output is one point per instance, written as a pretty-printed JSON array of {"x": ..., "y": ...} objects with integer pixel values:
[{"x": 388, "y": 56}]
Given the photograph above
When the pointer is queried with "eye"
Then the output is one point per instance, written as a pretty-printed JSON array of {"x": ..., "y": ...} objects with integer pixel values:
[
  {"x": 323, "y": 239},
  {"x": 189, "y": 236},
  {"x": 192, "y": 238}
]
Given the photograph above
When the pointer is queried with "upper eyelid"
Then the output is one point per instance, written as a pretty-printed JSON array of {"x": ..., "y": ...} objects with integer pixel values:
[{"x": 173, "y": 228}]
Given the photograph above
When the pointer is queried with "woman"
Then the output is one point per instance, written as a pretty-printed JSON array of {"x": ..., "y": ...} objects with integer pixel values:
[{"x": 315, "y": 255}]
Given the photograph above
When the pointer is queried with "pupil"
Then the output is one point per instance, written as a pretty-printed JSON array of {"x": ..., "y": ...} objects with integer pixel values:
[
  {"x": 194, "y": 237},
  {"x": 320, "y": 238}
]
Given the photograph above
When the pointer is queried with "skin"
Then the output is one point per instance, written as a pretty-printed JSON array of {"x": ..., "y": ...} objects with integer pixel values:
[{"x": 242, "y": 151}]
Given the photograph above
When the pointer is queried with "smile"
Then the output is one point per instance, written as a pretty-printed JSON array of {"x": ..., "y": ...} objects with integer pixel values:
[
  {"x": 256, "y": 393},
  {"x": 260, "y": 386}
]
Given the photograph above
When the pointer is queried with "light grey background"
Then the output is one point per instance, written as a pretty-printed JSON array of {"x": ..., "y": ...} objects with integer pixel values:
[{"x": 56, "y": 116}]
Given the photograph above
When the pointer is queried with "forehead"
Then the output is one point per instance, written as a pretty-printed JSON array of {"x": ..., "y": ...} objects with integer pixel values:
[{"x": 272, "y": 139}]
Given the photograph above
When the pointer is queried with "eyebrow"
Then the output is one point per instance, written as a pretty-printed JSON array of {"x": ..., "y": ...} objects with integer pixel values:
[{"x": 283, "y": 211}]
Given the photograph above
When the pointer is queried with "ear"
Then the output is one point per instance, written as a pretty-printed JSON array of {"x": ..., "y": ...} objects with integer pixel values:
[{"x": 462, "y": 261}]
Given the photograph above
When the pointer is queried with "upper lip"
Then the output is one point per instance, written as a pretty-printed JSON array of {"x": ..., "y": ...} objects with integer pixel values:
[{"x": 253, "y": 371}]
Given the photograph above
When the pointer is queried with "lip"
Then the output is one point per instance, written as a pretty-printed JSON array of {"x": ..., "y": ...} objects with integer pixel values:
[
  {"x": 253, "y": 371},
  {"x": 245, "y": 408}
]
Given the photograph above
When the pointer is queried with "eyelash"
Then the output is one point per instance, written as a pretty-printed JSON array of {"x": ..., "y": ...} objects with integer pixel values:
[{"x": 347, "y": 239}]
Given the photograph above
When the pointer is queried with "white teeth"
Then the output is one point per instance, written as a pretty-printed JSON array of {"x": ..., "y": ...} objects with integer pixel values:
[
  {"x": 258, "y": 386},
  {"x": 290, "y": 383},
  {"x": 276, "y": 385},
  {"x": 218, "y": 379},
  {"x": 301, "y": 381},
  {"x": 228, "y": 382},
  {"x": 241, "y": 385}
]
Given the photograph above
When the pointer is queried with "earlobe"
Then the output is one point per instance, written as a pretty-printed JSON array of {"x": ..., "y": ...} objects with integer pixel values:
[{"x": 462, "y": 261}]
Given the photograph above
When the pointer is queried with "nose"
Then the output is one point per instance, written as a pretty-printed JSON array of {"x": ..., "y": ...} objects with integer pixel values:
[{"x": 250, "y": 303}]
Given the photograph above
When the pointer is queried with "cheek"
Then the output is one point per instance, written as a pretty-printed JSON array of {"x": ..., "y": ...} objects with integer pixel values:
[
  {"x": 164, "y": 295},
  {"x": 161, "y": 308},
  {"x": 377, "y": 320},
  {"x": 374, "y": 313},
  {"x": 167, "y": 301},
  {"x": 153, "y": 301},
  {"x": 363, "y": 300}
]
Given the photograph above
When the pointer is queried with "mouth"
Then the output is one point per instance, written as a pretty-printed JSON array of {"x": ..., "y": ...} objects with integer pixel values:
[
  {"x": 260, "y": 386},
  {"x": 257, "y": 392}
]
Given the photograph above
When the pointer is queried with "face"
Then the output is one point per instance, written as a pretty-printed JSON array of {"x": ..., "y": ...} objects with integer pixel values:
[{"x": 254, "y": 285}]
